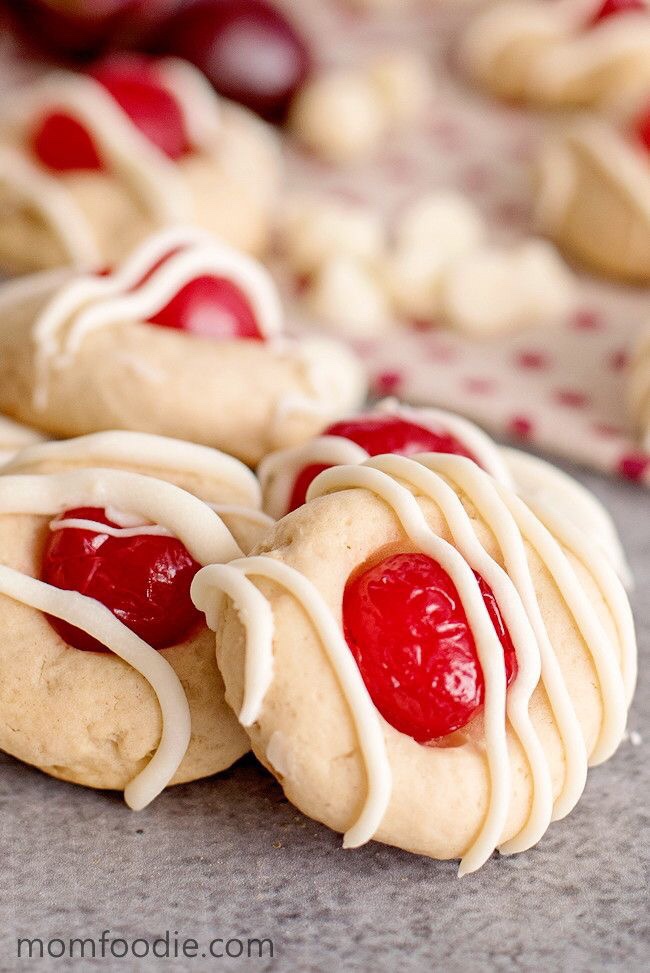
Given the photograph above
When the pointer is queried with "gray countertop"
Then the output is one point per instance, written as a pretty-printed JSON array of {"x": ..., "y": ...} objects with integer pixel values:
[{"x": 230, "y": 858}]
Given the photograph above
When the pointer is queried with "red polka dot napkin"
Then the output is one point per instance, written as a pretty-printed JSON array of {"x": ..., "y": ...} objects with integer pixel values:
[{"x": 562, "y": 388}]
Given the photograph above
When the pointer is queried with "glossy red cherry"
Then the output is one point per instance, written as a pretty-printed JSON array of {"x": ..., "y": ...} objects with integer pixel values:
[
  {"x": 247, "y": 48},
  {"x": 643, "y": 129},
  {"x": 612, "y": 8},
  {"x": 144, "y": 580},
  {"x": 213, "y": 307},
  {"x": 408, "y": 631},
  {"x": 381, "y": 434},
  {"x": 63, "y": 144}
]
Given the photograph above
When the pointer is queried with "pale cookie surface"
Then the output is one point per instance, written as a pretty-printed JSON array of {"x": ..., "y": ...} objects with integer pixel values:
[
  {"x": 80, "y": 358},
  {"x": 593, "y": 198},
  {"x": 310, "y": 719},
  {"x": 93, "y": 718}
]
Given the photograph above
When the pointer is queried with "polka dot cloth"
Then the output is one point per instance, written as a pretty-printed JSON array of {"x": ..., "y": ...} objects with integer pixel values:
[{"x": 561, "y": 388}]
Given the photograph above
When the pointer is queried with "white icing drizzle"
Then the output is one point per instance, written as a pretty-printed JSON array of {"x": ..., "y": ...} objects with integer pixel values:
[
  {"x": 98, "y": 621},
  {"x": 570, "y": 47},
  {"x": 163, "y": 507},
  {"x": 155, "y": 178},
  {"x": 278, "y": 471},
  {"x": 625, "y": 164},
  {"x": 196, "y": 98},
  {"x": 538, "y": 480},
  {"x": 145, "y": 449},
  {"x": 157, "y": 182},
  {"x": 53, "y": 203},
  {"x": 142, "y": 286},
  {"x": 442, "y": 479},
  {"x": 334, "y": 378}
]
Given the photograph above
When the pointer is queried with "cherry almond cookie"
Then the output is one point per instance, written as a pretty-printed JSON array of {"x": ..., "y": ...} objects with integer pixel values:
[
  {"x": 183, "y": 339},
  {"x": 92, "y": 163},
  {"x": 422, "y": 658},
  {"x": 594, "y": 192},
  {"x": 107, "y": 670}
]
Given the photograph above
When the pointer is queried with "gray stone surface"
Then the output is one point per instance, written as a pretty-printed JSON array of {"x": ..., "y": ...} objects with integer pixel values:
[{"x": 231, "y": 858}]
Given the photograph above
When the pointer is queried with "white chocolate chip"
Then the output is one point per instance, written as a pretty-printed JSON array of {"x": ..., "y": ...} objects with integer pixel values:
[
  {"x": 315, "y": 229},
  {"x": 339, "y": 116},
  {"x": 445, "y": 221},
  {"x": 347, "y": 296},
  {"x": 414, "y": 278},
  {"x": 495, "y": 290},
  {"x": 403, "y": 82},
  {"x": 549, "y": 281}
]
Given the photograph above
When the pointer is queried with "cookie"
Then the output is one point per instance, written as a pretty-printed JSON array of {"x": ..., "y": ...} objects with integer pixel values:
[
  {"x": 91, "y": 164},
  {"x": 285, "y": 476},
  {"x": 565, "y": 53},
  {"x": 422, "y": 658},
  {"x": 99, "y": 540},
  {"x": 184, "y": 339},
  {"x": 594, "y": 195}
]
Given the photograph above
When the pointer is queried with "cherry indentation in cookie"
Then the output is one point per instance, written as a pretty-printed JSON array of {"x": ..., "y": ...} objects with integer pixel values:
[
  {"x": 144, "y": 580},
  {"x": 612, "y": 8},
  {"x": 63, "y": 143},
  {"x": 407, "y": 629},
  {"x": 381, "y": 434},
  {"x": 213, "y": 307}
]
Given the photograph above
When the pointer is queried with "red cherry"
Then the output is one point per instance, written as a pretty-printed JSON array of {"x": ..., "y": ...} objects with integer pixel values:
[
  {"x": 213, "y": 307},
  {"x": 303, "y": 481},
  {"x": 144, "y": 580},
  {"x": 612, "y": 8},
  {"x": 246, "y": 48},
  {"x": 63, "y": 144},
  {"x": 382, "y": 434},
  {"x": 133, "y": 84},
  {"x": 408, "y": 631},
  {"x": 643, "y": 130}
]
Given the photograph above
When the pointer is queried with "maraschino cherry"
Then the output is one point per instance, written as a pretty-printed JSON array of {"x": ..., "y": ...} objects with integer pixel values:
[
  {"x": 408, "y": 631},
  {"x": 144, "y": 580},
  {"x": 381, "y": 434},
  {"x": 213, "y": 307},
  {"x": 613, "y": 8},
  {"x": 63, "y": 144},
  {"x": 247, "y": 49}
]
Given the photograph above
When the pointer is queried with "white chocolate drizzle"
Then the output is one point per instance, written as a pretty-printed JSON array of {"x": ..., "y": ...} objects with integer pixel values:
[
  {"x": 443, "y": 479},
  {"x": 278, "y": 471},
  {"x": 144, "y": 449},
  {"x": 334, "y": 380},
  {"x": 163, "y": 509},
  {"x": 156, "y": 181},
  {"x": 144, "y": 284}
]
